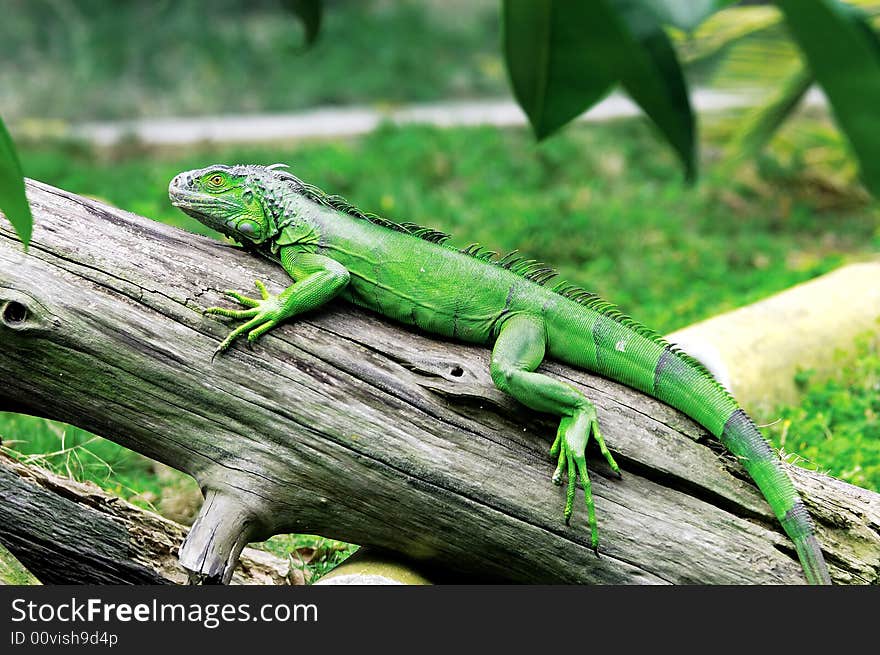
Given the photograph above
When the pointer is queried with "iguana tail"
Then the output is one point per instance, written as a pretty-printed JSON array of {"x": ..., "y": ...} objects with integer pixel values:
[
  {"x": 684, "y": 383},
  {"x": 623, "y": 350},
  {"x": 741, "y": 436}
]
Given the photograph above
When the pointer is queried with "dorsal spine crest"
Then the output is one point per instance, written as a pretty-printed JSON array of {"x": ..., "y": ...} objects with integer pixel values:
[{"x": 530, "y": 269}]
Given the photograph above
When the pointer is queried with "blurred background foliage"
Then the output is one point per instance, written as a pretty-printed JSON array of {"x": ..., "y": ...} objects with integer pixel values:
[
  {"x": 76, "y": 60},
  {"x": 779, "y": 200}
]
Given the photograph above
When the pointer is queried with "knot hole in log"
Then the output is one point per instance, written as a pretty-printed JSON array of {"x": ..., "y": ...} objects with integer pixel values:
[
  {"x": 20, "y": 312},
  {"x": 13, "y": 314}
]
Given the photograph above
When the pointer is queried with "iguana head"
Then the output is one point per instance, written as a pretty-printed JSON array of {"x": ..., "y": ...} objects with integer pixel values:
[{"x": 230, "y": 199}]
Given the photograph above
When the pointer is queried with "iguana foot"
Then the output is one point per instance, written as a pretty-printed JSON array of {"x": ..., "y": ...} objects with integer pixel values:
[
  {"x": 264, "y": 314},
  {"x": 570, "y": 447}
]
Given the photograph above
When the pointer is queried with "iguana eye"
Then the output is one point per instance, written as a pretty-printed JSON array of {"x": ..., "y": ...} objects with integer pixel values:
[{"x": 216, "y": 180}]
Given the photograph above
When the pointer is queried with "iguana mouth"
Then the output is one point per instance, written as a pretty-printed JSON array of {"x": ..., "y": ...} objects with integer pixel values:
[
  {"x": 193, "y": 200},
  {"x": 182, "y": 195}
]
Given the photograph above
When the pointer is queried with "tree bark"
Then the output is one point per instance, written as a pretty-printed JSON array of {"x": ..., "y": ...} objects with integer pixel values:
[
  {"x": 69, "y": 532},
  {"x": 343, "y": 424}
]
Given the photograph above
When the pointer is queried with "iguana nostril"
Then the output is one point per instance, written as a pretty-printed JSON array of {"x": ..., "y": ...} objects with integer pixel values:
[
  {"x": 179, "y": 181},
  {"x": 14, "y": 313}
]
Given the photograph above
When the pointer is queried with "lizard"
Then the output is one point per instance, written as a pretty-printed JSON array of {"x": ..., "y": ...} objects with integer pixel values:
[{"x": 518, "y": 306}]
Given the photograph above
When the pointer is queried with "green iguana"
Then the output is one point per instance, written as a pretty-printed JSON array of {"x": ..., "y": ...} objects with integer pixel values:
[{"x": 409, "y": 273}]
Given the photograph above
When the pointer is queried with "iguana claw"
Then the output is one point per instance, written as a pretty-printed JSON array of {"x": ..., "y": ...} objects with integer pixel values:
[
  {"x": 570, "y": 448},
  {"x": 263, "y": 315}
]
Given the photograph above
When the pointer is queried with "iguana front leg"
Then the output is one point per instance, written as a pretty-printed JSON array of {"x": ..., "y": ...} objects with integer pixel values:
[
  {"x": 518, "y": 351},
  {"x": 317, "y": 279}
]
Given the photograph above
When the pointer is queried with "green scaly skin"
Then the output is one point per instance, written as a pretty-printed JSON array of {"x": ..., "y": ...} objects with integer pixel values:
[{"x": 407, "y": 273}]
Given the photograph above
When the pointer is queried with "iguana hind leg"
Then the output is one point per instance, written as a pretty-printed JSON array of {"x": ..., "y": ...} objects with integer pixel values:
[{"x": 518, "y": 351}]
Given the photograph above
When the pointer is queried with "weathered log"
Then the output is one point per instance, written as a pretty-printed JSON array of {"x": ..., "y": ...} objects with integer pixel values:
[
  {"x": 69, "y": 532},
  {"x": 345, "y": 425}
]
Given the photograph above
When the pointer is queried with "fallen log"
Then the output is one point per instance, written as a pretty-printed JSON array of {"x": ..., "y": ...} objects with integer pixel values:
[
  {"x": 69, "y": 532},
  {"x": 345, "y": 425}
]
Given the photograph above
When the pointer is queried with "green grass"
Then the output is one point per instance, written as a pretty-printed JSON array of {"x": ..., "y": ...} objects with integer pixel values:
[
  {"x": 80, "y": 455},
  {"x": 836, "y": 428},
  {"x": 312, "y": 555},
  {"x": 75, "y": 60},
  {"x": 605, "y": 204}
]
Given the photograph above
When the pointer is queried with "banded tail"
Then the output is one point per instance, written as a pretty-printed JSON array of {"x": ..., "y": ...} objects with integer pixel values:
[
  {"x": 684, "y": 383},
  {"x": 742, "y": 437},
  {"x": 625, "y": 351}
]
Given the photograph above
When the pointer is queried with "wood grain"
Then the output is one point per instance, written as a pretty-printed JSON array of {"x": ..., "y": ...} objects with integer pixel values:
[{"x": 69, "y": 532}]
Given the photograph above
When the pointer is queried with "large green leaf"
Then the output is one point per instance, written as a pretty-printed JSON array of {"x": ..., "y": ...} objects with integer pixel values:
[
  {"x": 846, "y": 63},
  {"x": 686, "y": 14},
  {"x": 309, "y": 13},
  {"x": 563, "y": 55},
  {"x": 557, "y": 59},
  {"x": 648, "y": 68},
  {"x": 13, "y": 201}
]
